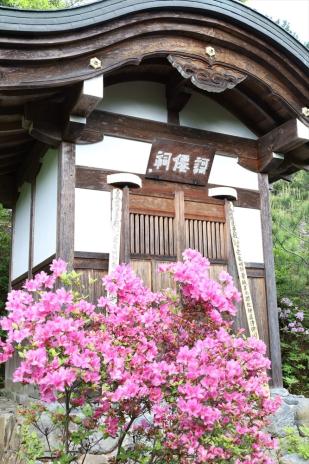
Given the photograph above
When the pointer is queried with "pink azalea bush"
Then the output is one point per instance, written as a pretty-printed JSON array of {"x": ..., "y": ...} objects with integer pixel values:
[{"x": 160, "y": 373}]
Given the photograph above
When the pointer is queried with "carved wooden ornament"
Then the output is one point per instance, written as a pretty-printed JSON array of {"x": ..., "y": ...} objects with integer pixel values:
[{"x": 216, "y": 78}]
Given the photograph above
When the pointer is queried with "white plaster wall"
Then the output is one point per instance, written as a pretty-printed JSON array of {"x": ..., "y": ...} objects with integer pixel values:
[
  {"x": 227, "y": 172},
  {"x": 202, "y": 112},
  {"x": 138, "y": 98},
  {"x": 21, "y": 234},
  {"x": 45, "y": 209},
  {"x": 116, "y": 154},
  {"x": 92, "y": 221},
  {"x": 248, "y": 224}
]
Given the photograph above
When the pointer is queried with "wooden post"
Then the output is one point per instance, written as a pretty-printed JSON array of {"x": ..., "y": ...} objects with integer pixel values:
[
  {"x": 125, "y": 227},
  {"x": 270, "y": 283},
  {"x": 31, "y": 236},
  {"x": 66, "y": 203},
  {"x": 179, "y": 224}
]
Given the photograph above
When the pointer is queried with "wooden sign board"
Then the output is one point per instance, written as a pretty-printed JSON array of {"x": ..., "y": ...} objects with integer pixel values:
[{"x": 180, "y": 162}]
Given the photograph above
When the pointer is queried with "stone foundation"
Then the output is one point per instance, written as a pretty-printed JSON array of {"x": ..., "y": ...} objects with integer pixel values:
[{"x": 293, "y": 413}]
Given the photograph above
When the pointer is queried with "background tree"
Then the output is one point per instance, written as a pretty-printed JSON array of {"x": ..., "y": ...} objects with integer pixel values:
[
  {"x": 5, "y": 245},
  {"x": 290, "y": 210},
  {"x": 40, "y": 4}
]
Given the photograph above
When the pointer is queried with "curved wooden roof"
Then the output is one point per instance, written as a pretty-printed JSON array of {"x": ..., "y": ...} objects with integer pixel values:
[
  {"x": 45, "y": 58},
  {"x": 21, "y": 21}
]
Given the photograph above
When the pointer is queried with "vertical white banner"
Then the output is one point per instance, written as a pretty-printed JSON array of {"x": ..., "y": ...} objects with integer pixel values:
[{"x": 116, "y": 229}]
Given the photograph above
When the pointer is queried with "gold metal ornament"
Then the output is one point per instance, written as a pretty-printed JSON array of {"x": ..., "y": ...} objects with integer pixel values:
[
  {"x": 211, "y": 52},
  {"x": 95, "y": 63}
]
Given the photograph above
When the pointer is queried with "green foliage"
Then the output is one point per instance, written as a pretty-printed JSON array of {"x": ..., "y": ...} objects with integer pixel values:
[
  {"x": 31, "y": 446},
  {"x": 294, "y": 328},
  {"x": 40, "y": 4},
  {"x": 290, "y": 214},
  {"x": 5, "y": 243},
  {"x": 293, "y": 443}
]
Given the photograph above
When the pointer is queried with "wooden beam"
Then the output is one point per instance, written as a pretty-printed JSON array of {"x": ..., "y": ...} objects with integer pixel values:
[
  {"x": 30, "y": 167},
  {"x": 66, "y": 203},
  {"x": 91, "y": 94},
  {"x": 8, "y": 190},
  {"x": 283, "y": 139},
  {"x": 43, "y": 121},
  {"x": 176, "y": 98},
  {"x": 145, "y": 130},
  {"x": 270, "y": 282},
  {"x": 270, "y": 162}
]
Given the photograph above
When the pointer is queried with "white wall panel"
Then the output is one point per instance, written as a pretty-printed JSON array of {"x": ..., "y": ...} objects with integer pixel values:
[
  {"x": 92, "y": 221},
  {"x": 248, "y": 223},
  {"x": 226, "y": 171},
  {"x": 203, "y": 113},
  {"x": 116, "y": 154},
  {"x": 140, "y": 99},
  {"x": 45, "y": 211},
  {"x": 21, "y": 234}
]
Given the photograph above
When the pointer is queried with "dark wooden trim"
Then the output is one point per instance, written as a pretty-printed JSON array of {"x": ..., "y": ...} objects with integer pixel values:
[
  {"x": 95, "y": 179},
  {"x": 11, "y": 246},
  {"x": 270, "y": 282},
  {"x": 91, "y": 263},
  {"x": 179, "y": 223},
  {"x": 31, "y": 165},
  {"x": 19, "y": 280},
  {"x": 255, "y": 272},
  {"x": 146, "y": 130},
  {"x": 173, "y": 117},
  {"x": 92, "y": 178},
  {"x": 44, "y": 265},
  {"x": 139, "y": 256},
  {"x": 66, "y": 203},
  {"x": 90, "y": 255},
  {"x": 254, "y": 265},
  {"x": 32, "y": 224}
]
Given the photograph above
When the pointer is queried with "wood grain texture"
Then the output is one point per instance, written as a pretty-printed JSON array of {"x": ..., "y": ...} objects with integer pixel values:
[
  {"x": 146, "y": 130},
  {"x": 271, "y": 292},
  {"x": 179, "y": 224},
  {"x": 177, "y": 161},
  {"x": 66, "y": 203},
  {"x": 32, "y": 224},
  {"x": 143, "y": 269}
]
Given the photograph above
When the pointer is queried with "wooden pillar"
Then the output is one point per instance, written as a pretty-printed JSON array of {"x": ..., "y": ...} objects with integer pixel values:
[
  {"x": 179, "y": 223},
  {"x": 270, "y": 282},
  {"x": 125, "y": 228},
  {"x": 66, "y": 203},
  {"x": 31, "y": 236}
]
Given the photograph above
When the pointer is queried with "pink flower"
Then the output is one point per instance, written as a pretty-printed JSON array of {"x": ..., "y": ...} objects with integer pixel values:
[{"x": 58, "y": 267}]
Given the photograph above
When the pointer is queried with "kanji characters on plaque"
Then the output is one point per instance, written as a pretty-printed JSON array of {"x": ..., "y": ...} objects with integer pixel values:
[{"x": 180, "y": 162}]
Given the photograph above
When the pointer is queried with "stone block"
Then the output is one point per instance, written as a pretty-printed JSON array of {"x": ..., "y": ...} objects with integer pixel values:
[
  {"x": 94, "y": 459},
  {"x": 292, "y": 459},
  {"x": 283, "y": 392},
  {"x": 302, "y": 412},
  {"x": 284, "y": 417}
]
